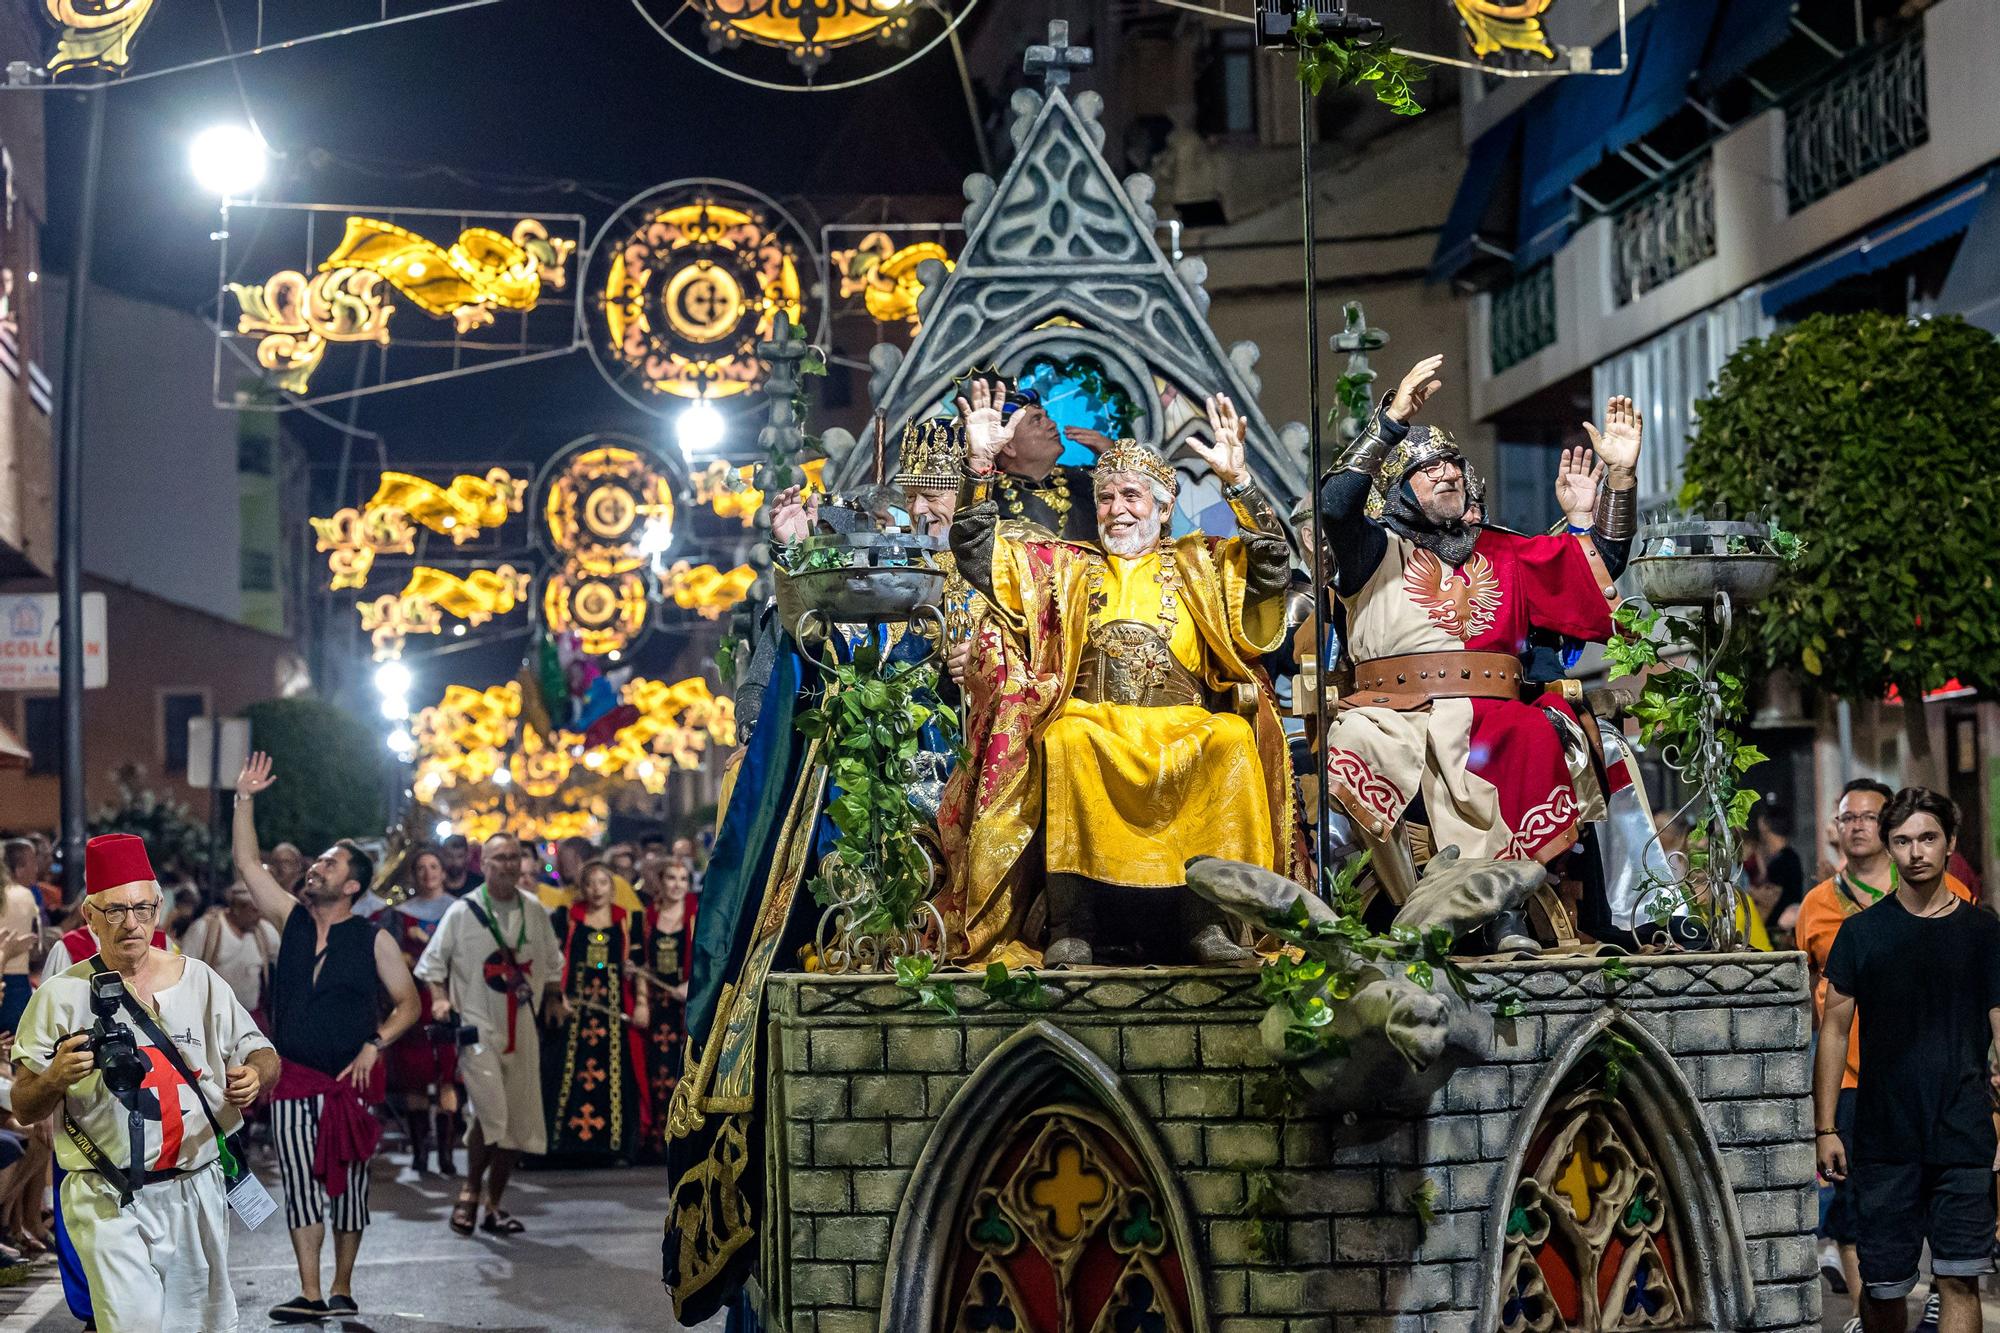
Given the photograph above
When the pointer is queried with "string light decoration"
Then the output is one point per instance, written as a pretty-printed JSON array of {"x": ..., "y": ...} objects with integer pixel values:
[
  {"x": 471, "y": 737},
  {"x": 805, "y": 45},
  {"x": 296, "y": 318},
  {"x": 352, "y": 538},
  {"x": 684, "y": 282},
  {"x": 97, "y": 35},
  {"x": 706, "y": 590},
  {"x": 431, "y": 595},
  {"x": 607, "y": 506},
  {"x": 885, "y": 277}
]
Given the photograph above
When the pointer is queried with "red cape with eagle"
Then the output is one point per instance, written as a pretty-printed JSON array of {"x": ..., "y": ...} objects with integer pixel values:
[{"x": 1498, "y": 776}]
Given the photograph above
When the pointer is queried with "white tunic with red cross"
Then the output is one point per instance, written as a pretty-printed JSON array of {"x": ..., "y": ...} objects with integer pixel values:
[
  {"x": 214, "y": 1034},
  {"x": 1497, "y": 777}
]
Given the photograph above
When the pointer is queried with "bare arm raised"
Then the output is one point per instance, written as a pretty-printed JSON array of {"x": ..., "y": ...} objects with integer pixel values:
[{"x": 272, "y": 900}]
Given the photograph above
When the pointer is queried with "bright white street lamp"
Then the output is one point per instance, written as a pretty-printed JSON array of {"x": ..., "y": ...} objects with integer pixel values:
[
  {"x": 443, "y": 829},
  {"x": 395, "y": 708},
  {"x": 502, "y": 776},
  {"x": 401, "y": 743},
  {"x": 229, "y": 160},
  {"x": 392, "y": 680},
  {"x": 699, "y": 428}
]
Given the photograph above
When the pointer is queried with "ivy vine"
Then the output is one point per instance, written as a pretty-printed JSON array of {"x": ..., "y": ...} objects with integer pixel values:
[
  {"x": 870, "y": 725},
  {"x": 1347, "y": 61}
]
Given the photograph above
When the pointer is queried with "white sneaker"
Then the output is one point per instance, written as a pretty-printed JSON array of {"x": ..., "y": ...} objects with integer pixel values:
[
  {"x": 1929, "y": 1322},
  {"x": 1852, "y": 1326}
]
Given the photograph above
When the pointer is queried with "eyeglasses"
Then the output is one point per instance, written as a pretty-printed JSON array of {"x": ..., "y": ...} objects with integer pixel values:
[
  {"x": 1436, "y": 468},
  {"x": 139, "y": 912}
]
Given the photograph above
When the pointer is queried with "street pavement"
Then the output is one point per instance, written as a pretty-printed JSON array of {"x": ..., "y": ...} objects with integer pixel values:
[{"x": 589, "y": 1260}]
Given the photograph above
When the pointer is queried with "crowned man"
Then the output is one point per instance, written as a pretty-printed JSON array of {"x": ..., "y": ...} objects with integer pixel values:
[
  {"x": 1439, "y": 610},
  {"x": 1124, "y": 747}
]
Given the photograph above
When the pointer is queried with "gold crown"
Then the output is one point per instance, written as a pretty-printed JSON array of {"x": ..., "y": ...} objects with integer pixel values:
[
  {"x": 932, "y": 455},
  {"x": 1131, "y": 456},
  {"x": 1424, "y": 444}
]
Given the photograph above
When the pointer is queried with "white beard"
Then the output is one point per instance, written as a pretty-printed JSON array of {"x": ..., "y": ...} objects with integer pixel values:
[{"x": 1136, "y": 542}]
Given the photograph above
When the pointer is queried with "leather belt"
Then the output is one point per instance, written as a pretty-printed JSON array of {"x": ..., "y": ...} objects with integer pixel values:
[
  {"x": 1415, "y": 679},
  {"x": 1129, "y": 663}
]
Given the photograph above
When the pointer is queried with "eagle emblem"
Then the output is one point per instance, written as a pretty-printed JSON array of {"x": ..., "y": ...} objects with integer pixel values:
[{"x": 1462, "y": 603}]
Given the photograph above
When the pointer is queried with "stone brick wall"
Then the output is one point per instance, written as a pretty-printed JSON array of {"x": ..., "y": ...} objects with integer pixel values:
[{"x": 858, "y": 1078}]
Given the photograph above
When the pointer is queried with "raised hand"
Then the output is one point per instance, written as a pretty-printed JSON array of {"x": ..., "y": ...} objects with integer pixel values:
[
  {"x": 1578, "y": 474},
  {"x": 1225, "y": 457},
  {"x": 793, "y": 514},
  {"x": 1416, "y": 389},
  {"x": 256, "y": 775},
  {"x": 1618, "y": 443},
  {"x": 986, "y": 433}
]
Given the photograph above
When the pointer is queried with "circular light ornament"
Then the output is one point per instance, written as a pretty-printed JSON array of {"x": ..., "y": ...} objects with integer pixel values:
[
  {"x": 683, "y": 283},
  {"x": 805, "y": 45},
  {"x": 600, "y": 501}
]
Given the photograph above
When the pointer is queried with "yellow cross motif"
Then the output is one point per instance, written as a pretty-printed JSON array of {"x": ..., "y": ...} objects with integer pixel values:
[
  {"x": 1068, "y": 1191},
  {"x": 1581, "y": 1177}
]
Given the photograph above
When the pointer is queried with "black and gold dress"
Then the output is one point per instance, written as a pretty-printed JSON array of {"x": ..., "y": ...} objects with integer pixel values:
[{"x": 590, "y": 1073}]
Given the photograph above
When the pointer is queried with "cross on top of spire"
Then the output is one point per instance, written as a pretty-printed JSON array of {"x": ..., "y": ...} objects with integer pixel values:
[{"x": 1055, "y": 60}]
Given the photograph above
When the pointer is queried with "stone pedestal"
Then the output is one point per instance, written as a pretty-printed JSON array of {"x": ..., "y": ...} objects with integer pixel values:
[{"x": 882, "y": 1117}]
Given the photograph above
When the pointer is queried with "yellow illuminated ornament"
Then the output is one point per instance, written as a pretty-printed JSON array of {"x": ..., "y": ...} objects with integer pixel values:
[
  {"x": 462, "y": 511},
  {"x": 605, "y": 612},
  {"x": 1493, "y": 27},
  {"x": 352, "y": 539},
  {"x": 705, "y": 589},
  {"x": 389, "y": 619},
  {"x": 807, "y": 32},
  {"x": 602, "y": 504},
  {"x": 474, "y": 598},
  {"x": 299, "y": 317},
  {"x": 347, "y": 300},
  {"x": 96, "y": 34},
  {"x": 886, "y": 278},
  {"x": 727, "y": 490},
  {"x": 688, "y": 293}
]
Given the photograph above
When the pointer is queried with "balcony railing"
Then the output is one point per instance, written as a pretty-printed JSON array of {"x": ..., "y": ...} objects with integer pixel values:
[
  {"x": 1871, "y": 113},
  {"x": 1522, "y": 317},
  {"x": 1665, "y": 232}
]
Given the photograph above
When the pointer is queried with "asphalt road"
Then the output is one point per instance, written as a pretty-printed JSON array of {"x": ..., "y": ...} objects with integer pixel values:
[{"x": 590, "y": 1259}]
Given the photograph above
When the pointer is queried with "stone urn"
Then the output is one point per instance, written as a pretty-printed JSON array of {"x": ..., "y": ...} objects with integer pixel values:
[{"x": 1686, "y": 562}]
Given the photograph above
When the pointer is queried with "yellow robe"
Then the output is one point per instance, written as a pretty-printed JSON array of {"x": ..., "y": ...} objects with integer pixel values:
[
  {"x": 1133, "y": 793},
  {"x": 1024, "y": 667}
]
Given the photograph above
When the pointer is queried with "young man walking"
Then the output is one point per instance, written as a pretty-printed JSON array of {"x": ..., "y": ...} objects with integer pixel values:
[{"x": 1922, "y": 970}]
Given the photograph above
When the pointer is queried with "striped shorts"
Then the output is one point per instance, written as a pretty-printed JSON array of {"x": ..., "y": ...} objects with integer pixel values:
[{"x": 295, "y": 1134}]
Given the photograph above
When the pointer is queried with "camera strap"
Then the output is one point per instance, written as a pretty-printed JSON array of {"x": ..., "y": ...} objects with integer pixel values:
[{"x": 126, "y": 1183}]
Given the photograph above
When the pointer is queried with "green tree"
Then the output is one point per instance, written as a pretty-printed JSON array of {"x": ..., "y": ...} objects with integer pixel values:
[
  {"x": 176, "y": 838},
  {"x": 1873, "y": 438},
  {"x": 331, "y": 774}
]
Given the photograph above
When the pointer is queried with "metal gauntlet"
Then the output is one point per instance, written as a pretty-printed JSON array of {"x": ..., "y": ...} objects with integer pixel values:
[
  {"x": 1253, "y": 512},
  {"x": 1617, "y": 517},
  {"x": 1371, "y": 448}
]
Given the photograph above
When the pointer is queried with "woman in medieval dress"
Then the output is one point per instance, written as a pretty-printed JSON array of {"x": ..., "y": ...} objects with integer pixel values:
[
  {"x": 591, "y": 1072},
  {"x": 669, "y": 884},
  {"x": 423, "y": 1071}
]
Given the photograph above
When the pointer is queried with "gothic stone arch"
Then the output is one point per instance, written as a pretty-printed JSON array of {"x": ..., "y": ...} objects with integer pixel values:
[
  {"x": 1641, "y": 1182},
  {"x": 1044, "y": 1089}
]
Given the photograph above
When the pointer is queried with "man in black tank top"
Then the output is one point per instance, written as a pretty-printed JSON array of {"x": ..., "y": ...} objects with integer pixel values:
[{"x": 333, "y": 968}]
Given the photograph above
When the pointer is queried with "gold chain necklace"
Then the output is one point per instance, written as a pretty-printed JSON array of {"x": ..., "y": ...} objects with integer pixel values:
[{"x": 1055, "y": 494}]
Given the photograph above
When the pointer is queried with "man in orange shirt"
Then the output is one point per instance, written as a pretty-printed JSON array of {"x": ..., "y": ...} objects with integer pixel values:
[{"x": 1867, "y": 876}]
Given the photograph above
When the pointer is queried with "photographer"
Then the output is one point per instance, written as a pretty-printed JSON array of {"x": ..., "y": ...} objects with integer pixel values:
[
  {"x": 152, "y": 1052},
  {"x": 333, "y": 968},
  {"x": 490, "y": 955}
]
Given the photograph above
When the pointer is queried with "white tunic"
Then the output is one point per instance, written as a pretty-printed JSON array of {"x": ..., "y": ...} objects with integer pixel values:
[{"x": 504, "y": 1085}]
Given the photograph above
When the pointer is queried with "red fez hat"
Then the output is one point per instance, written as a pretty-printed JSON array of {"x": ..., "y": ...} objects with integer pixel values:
[{"x": 113, "y": 860}]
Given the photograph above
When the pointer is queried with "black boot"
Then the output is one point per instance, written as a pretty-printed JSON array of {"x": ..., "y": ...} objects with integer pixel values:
[
  {"x": 447, "y": 1137},
  {"x": 419, "y": 1124}
]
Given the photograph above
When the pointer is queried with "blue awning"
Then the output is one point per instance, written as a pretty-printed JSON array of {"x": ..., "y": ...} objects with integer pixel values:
[
  {"x": 1492, "y": 157},
  {"x": 1674, "y": 41},
  {"x": 1749, "y": 31},
  {"x": 1973, "y": 287},
  {"x": 1914, "y": 229}
]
